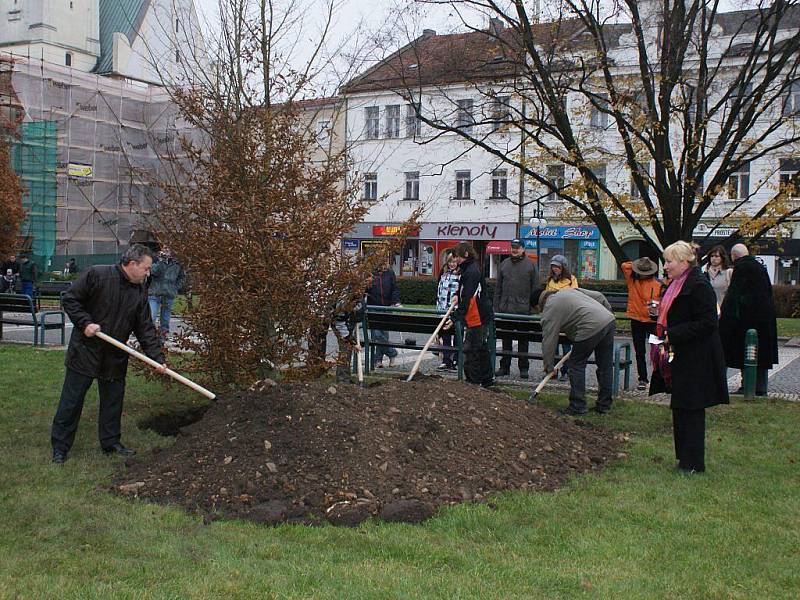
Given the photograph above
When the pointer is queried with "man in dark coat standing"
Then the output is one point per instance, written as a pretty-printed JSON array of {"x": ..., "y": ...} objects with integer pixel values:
[
  {"x": 516, "y": 284},
  {"x": 383, "y": 292},
  {"x": 749, "y": 304},
  {"x": 111, "y": 299}
]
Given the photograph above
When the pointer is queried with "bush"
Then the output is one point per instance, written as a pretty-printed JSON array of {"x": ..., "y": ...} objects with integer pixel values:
[
  {"x": 605, "y": 285},
  {"x": 787, "y": 300}
]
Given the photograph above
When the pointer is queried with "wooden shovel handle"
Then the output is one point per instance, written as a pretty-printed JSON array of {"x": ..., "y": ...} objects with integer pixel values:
[{"x": 156, "y": 365}]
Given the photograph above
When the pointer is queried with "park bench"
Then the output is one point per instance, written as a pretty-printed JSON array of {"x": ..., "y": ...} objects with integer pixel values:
[
  {"x": 529, "y": 328},
  {"x": 18, "y": 309},
  {"x": 50, "y": 292},
  {"x": 617, "y": 300},
  {"x": 407, "y": 320}
]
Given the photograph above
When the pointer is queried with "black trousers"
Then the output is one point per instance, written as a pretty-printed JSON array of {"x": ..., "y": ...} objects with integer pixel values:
[
  {"x": 639, "y": 332},
  {"x": 73, "y": 393},
  {"x": 602, "y": 344},
  {"x": 689, "y": 431},
  {"x": 477, "y": 361},
  {"x": 508, "y": 345}
]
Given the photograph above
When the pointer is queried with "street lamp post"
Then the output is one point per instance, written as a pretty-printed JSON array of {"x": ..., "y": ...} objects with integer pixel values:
[{"x": 538, "y": 221}]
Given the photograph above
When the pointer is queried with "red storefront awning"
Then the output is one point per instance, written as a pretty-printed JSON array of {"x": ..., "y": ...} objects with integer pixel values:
[{"x": 496, "y": 247}]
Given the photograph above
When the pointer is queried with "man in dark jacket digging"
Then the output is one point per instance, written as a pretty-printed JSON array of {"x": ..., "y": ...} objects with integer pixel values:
[
  {"x": 111, "y": 299},
  {"x": 516, "y": 283}
]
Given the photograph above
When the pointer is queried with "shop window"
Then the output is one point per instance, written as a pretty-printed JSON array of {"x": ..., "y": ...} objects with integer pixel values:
[
  {"x": 555, "y": 175},
  {"x": 413, "y": 122},
  {"x": 739, "y": 183},
  {"x": 372, "y": 128},
  {"x": 789, "y": 167},
  {"x": 463, "y": 180},
  {"x": 500, "y": 183},
  {"x": 371, "y": 186},
  {"x": 501, "y": 112},
  {"x": 465, "y": 117},
  {"x": 393, "y": 121},
  {"x": 598, "y": 117},
  {"x": 412, "y": 185}
]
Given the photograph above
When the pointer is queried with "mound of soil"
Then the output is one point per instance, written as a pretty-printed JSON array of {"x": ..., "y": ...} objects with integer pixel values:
[{"x": 309, "y": 452}]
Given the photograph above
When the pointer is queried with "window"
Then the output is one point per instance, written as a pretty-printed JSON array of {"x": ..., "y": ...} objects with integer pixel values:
[
  {"x": 555, "y": 175},
  {"x": 372, "y": 130},
  {"x": 791, "y": 105},
  {"x": 393, "y": 121},
  {"x": 600, "y": 173},
  {"x": 412, "y": 185},
  {"x": 789, "y": 166},
  {"x": 642, "y": 168},
  {"x": 463, "y": 179},
  {"x": 739, "y": 183},
  {"x": 413, "y": 123},
  {"x": 370, "y": 186},
  {"x": 464, "y": 117},
  {"x": 323, "y": 131},
  {"x": 177, "y": 25},
  {"x": 177, "y": 55},
  {"x": 599, "y": 118},
  {"x": 68, "y": 59},
  {"x": 501, "y": 112},
  {"x": 500, "y": 183},
  {"x": 742, "y": 94}
]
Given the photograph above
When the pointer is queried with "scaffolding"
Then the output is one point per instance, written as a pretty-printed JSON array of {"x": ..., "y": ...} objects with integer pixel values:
[{"x": 89, "y": 152}]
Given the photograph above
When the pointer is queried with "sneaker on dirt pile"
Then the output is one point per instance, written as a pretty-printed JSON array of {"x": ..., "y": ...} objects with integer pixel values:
[
  {"x": 442, "y": 367},
  {"x": 642, "y": 386},
  {"x": 391, "y": 361}
]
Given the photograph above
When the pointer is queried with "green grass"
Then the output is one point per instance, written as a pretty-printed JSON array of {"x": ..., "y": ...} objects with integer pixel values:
[
  {"x": 788, "y": 327},
  {"x": 635, "y": 530}
]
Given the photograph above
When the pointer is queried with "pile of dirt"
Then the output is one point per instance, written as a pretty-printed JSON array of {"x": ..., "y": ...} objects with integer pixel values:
[{"x": 309, "y": 452}]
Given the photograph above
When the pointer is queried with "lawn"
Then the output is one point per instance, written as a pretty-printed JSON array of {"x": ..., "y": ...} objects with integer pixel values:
[{"x": 636, "y": 530}]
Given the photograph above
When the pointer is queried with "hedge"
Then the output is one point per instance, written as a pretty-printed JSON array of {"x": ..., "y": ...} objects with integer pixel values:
[{"x": 787, "y": 300}]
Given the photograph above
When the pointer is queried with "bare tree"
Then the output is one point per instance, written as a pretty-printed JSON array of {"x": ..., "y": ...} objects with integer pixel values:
[{"x": 676, "y": 95}]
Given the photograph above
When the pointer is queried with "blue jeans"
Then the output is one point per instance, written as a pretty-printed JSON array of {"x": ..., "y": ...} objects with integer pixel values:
[
  {"x": 381, "y": 351},
  {"x": 27, "y": 288},
  {"x": 165, "y": 305}
]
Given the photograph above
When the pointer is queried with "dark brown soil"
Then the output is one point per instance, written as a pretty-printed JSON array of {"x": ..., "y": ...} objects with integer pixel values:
[{"x": 310, "y": 452}]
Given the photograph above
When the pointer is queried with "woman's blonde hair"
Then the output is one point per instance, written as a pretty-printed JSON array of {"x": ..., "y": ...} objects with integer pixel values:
[{"x": 681, "y": 250}]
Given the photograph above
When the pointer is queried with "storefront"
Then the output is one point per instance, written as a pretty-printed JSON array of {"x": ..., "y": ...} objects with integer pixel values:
[
  {"x": 423, "y": 252},
  {"x": 580, "y": 244}
]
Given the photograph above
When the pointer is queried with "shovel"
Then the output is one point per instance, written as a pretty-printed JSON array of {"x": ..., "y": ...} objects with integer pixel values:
[
  {"x": 154, "y": 364},
  {"x": 430, "y": 340},
  {"x": 359, "y": 360},
  {"x": 549, "y": 376}
]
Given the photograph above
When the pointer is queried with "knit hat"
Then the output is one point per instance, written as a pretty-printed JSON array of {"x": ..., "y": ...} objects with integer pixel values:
[{"x": 559, "y": 261}]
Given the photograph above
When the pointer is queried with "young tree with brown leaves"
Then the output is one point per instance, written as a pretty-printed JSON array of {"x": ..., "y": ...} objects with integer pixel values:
[
  {"x": 11, "y": 212},
  {"x": 254, "y": 213}
]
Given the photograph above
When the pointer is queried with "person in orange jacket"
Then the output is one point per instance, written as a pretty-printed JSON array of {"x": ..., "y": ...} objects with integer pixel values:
[{"x": 644, "y": 291}]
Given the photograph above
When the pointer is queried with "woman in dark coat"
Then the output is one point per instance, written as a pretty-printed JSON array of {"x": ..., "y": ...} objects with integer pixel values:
[
  {"x": 696, "y": 375},
  {"x": 749, "y": 304}
]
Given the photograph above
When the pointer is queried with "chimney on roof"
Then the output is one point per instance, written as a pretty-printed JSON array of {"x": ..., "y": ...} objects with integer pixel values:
[
  {"x": 428, "y": 32},
  {"x": 496, "y": 25}
]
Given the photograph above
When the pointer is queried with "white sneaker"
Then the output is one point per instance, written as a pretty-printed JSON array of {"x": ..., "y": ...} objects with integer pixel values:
[
  {"x": 442, "y": 367},
  {"x": 391, "y": 361}
]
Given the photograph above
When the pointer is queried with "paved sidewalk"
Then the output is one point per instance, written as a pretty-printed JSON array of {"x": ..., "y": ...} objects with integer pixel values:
[{"x": 784, "y": 379}]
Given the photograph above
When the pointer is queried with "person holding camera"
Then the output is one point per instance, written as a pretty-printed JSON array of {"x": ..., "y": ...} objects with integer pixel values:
[
  {"x": 166, "y": 279},
  {"x": 644, "y": 291}
]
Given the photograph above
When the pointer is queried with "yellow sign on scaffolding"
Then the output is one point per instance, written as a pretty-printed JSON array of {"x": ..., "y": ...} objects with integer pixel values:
[{"x": 81, "y": 171}]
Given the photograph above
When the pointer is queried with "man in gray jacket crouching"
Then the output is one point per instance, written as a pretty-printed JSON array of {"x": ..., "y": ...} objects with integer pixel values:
[{"x": 586, "y": 319}]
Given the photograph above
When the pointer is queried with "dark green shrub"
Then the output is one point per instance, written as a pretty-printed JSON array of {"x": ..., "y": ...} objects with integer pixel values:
[{"x": 787, "y": 300}]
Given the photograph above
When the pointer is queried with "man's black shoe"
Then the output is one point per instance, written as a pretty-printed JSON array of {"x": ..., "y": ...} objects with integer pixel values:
[
  {"x": 488, "y": 384},
  {"x": 572, "y": 411},
  {"x": 501, "y": 372},
  {"x": 119, "y": 449},
  {"x": 59, "y": 457},
  {"x": 600, "y": 410},
  {"x": 523, "y": 374}
]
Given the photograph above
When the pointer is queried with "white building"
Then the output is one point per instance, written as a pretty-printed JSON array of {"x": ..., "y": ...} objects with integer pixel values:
[
  {"x": 153, "y": 41},
  {"x": 465, "y": 190}
]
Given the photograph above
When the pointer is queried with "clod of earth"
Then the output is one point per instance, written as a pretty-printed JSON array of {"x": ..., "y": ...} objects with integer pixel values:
[{"x": 298, "y": 453}]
